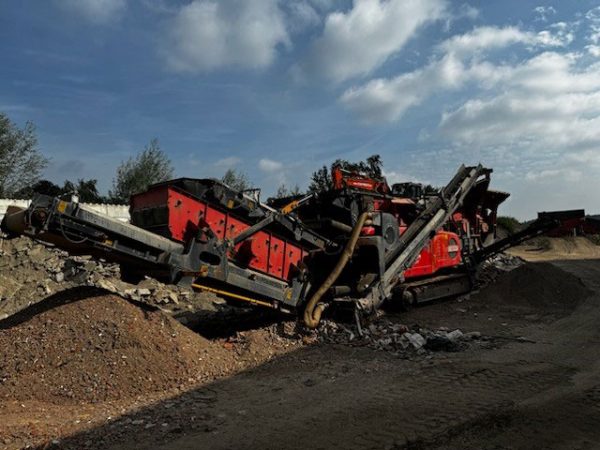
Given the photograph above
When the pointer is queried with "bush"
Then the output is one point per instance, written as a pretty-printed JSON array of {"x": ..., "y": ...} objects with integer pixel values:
[
  {"x": 594, "y": 238},
  {"x": 510, "y": 224}
]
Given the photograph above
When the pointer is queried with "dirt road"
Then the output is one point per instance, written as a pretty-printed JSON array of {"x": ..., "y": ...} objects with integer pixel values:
[{"x": 533, "y": 382}]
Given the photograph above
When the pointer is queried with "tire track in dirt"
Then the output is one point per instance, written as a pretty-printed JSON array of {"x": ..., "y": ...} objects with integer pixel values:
[
  {"x": 388, "y": 408},
  {"x": 566, "y": 422}
]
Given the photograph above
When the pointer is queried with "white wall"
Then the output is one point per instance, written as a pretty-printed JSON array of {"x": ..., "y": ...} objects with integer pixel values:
[{"x": 119, "y": 212}]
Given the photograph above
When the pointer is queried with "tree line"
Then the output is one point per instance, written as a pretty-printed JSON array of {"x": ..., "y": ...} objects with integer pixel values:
[{"x": 22, "y": 165}]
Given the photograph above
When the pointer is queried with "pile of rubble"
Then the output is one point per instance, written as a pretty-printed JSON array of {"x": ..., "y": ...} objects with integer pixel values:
[
  {"x": 30, "y": 272},
  {"x": 492, "y": 268},
  {"x": 387, "y": 335}
]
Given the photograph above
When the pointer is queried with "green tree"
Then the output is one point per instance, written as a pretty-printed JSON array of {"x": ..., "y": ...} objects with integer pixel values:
[
  {"x": 321, "y": 179},
  {"x": 41, "y": 187},
  {"x": 374, "y": 166},
  {"x": 21, "y": 163},
  {"x": 510, "y": 224},
  {"x": 87, "y": 190},
  {"x": 283, "y": 191},
  {"x": 237, "y": 180},
  {"x": 150, "y": 166}
]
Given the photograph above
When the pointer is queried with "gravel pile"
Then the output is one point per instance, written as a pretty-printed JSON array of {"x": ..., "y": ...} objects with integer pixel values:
[
  {"x": 85, "y": 346},
  {"x": 536, "y": 286}
]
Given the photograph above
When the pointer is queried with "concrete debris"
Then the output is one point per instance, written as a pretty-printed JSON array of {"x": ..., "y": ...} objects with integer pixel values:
[
  {"x": 387, "y": 335},
  {"x": 455, "y": 335},
  {"x": 30, "y": 272},
  {"x": 472, "y": 335},
  {"x": 416, "y": 340},
  {"x": 493, "y": 267}
]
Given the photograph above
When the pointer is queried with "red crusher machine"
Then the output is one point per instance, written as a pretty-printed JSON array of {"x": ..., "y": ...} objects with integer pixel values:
[{"x": 358, "y": 244}]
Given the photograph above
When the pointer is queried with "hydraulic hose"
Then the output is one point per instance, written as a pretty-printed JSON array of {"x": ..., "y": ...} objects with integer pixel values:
[{"x": 314, "y": 309}]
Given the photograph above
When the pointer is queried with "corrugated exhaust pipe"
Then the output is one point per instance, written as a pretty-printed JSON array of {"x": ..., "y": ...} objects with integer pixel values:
[{"x": 314, "y": 309}]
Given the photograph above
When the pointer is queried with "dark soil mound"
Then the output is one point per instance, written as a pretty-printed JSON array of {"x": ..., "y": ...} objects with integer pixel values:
[
  {"x": 89, "y": 346},
  {"x": 541, "y": 286}
]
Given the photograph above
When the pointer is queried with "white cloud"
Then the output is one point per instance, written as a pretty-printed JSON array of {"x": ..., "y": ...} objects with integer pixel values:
[
  {"x": 227, "y": 162},
  {"x": 541, "y": 125},
  {"x": 593, "y": 50},
  {"x": 593, "y": 20},
  {"x": 590, "y": 158},
  {"x": 301, "y": 15},
  {"x": 543, "y": 12},
  {"x": 561, "y": 37},
  {"x": 270, "y": 166},
  {"x": 550, "y": 73},
  {"x": 486, "y": 38},
  {"x": 563, "y": 120},
  {"x": 547, "y": 99},
  {"x": 551, "y": 175},
  {"x": 358, "y": 41},
  {"x": 206, "y": 35},
  {"x": 386, "y": 100},
  {"x": 468, "y": 11},
  {"x": 394, "y": 176},
  {"x": 95, "y": 11}
]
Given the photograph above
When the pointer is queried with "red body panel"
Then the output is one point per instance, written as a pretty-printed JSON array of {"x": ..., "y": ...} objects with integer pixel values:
[
  {"x": 443, "y": 251},
  {"x": 569, "y": 227},
  {"x": 276, "y": 257},
  {"x": 185, "y": 215},
  {"x": 357, "y": 181}
]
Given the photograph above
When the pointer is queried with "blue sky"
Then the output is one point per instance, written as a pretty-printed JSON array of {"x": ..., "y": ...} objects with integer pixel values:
[{"x": 277, "y": 88}]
